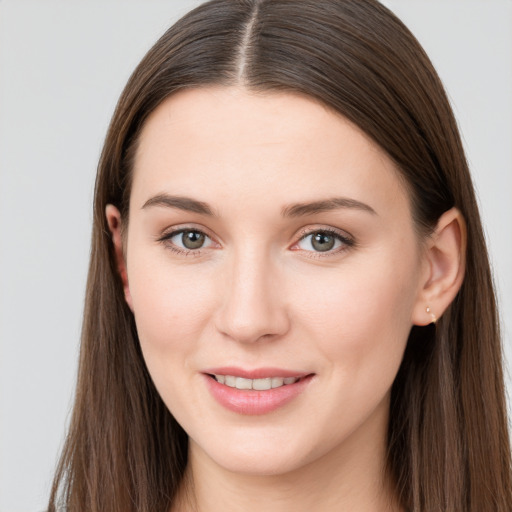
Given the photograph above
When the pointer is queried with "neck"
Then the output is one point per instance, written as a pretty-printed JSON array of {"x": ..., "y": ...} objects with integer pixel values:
[{"x": 352, "y": 478}]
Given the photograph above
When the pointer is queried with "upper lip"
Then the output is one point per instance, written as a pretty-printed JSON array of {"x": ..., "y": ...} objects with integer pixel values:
[{"x": 256, "y": 373}]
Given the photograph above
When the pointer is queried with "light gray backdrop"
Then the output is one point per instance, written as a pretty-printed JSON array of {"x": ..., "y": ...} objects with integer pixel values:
[{"x": 62, "y": 67}]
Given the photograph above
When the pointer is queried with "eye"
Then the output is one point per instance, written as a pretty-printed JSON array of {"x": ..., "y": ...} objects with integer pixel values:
[
  {"x": 186, "y": 240},
  {"x": 323, "y": 241}
]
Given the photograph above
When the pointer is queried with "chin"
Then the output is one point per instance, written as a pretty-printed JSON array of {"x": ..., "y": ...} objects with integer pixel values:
[
  {"x": 258, "y": 465},
  {"x": 269, "y": 455}
]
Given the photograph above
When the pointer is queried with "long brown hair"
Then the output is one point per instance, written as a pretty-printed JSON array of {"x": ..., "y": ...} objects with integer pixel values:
[{"x": 448, "y": 437}]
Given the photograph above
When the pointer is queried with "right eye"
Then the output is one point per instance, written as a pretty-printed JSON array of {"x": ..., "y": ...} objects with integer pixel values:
[{"x": 187, "y": 240}]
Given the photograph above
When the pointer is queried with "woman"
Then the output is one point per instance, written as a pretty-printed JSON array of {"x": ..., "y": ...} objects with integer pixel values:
[{"x": 289, "y": 302}]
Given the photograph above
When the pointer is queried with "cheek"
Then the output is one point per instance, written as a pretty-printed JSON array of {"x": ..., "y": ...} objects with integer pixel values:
[
  {"x": 171, "y": 309},
  {"x": 361, "y": 314},
  {"x": 361, "y": 329},
  {"x": 171, "y": 305}
]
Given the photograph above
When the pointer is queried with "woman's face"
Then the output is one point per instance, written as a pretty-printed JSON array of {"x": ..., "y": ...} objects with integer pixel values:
[{"x": 270, "y": 239}]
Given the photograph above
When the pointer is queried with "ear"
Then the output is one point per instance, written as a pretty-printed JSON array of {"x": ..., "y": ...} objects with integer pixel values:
[
  {"x": 114, "y": 225},
  {"x": 445, "y": 262}
]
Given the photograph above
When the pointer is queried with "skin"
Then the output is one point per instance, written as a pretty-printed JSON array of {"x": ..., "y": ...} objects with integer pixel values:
[{"x": 259, "y": 294}]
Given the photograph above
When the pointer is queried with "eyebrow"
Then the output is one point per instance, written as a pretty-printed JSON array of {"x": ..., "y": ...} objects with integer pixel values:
[
  {"x": 294, "y": 210},
  {"x": 334, "y": 203},
  {"x": 182, "y": 203}
]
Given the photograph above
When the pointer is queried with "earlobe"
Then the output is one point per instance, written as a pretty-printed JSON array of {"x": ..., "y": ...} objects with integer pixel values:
[
  {"x": 114, "y": 224},
  {"x": 445, "y": 267}
]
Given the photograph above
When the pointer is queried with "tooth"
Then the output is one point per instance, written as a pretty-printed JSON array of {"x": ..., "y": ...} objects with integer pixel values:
[
  {"x": 230, "y": 381},
  {"x": 257, "y": 384},
  {"x": 262, "y": 384},
  {"x": 277, "y": 382},
  {"x": 242, "y": 383}
]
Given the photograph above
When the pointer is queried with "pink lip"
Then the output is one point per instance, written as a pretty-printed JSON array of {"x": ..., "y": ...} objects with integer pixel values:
[
  {"x": 255, "y": 402},
  {"x": 257, "y": 373}
]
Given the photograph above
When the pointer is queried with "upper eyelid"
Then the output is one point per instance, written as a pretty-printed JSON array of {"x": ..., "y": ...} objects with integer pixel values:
[
  {"x": 306, "y": 231},
  {"x": 176, "y": 230}
]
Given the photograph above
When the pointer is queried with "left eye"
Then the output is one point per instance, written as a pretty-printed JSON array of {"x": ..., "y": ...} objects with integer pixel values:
[
  {"x": 321, "y": 241},
  {"x": 190, "y": 239}
]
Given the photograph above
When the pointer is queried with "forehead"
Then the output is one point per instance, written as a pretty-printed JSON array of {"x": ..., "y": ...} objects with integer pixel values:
[{"x": 221, "y": 144}]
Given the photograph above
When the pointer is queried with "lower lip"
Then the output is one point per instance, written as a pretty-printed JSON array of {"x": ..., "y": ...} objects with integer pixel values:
[{"x": 255, "y": 402}]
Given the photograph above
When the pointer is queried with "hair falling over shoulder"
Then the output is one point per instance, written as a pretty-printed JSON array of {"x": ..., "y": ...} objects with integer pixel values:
[{"x": 448, "y": 443}]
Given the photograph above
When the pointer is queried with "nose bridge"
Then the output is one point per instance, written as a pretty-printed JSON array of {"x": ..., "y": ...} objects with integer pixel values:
[{"x": 252, "y": 306}]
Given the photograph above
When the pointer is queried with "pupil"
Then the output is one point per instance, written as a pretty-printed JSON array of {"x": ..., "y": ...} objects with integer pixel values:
[
  {"x": 322, "y": 242},
  {"x": 192, "y": 239}
]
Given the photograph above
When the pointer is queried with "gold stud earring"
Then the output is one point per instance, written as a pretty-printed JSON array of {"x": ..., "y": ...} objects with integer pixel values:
[{"x": 429, "y": 311}]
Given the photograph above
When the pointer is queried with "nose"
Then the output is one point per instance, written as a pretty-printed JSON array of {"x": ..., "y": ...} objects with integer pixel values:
[{"x": 253, "y": 307}]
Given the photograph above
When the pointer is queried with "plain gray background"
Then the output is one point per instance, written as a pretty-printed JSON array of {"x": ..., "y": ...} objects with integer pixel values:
[{"x": 62, "y": 66}]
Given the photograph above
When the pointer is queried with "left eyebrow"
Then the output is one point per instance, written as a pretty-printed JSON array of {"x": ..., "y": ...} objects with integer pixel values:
[{"x": 334, "y": 203}]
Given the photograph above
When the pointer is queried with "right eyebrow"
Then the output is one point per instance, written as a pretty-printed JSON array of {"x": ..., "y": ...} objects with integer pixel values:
[{"x": 181, "y": 203}]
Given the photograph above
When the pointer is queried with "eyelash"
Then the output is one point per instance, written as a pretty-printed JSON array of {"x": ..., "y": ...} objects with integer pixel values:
[{"x": 346, "y": 241}]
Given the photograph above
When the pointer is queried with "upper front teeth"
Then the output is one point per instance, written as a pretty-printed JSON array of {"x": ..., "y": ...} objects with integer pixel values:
[{"x": 257, "y": 384}]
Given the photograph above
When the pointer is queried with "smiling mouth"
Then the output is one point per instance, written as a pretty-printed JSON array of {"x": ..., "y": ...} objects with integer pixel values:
[{"x": 254, "y": 384}]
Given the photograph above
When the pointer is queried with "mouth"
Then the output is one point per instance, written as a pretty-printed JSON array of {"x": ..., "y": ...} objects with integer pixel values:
[
  {"x": 263, "y": 384},
  {"x": 258, "y": 391}
]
